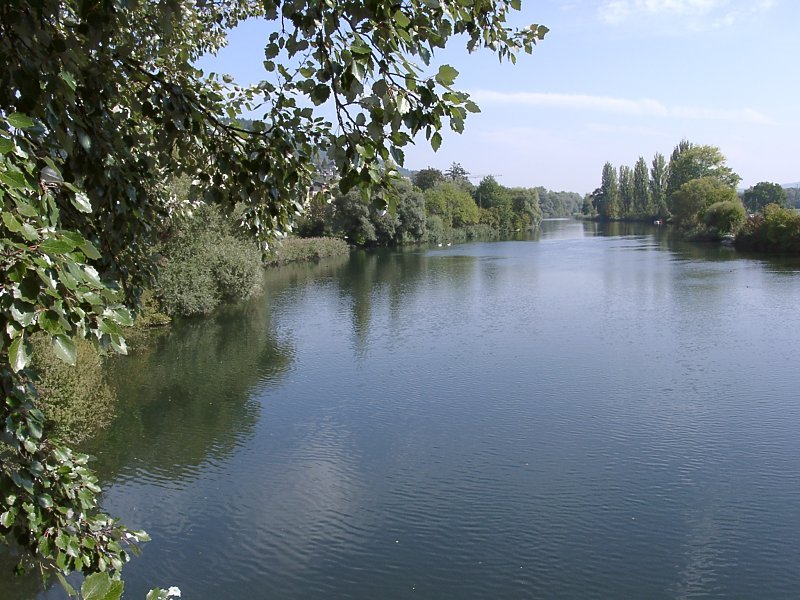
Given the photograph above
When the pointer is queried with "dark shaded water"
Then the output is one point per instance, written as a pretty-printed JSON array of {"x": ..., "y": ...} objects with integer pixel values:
[{"x": 579, "y": 415}]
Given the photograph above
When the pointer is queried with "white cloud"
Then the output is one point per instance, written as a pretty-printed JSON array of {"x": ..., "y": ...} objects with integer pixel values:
[
  {"x": 695, "y": 14},
  {"x": 631, "y": 107},
  {"x": 606, "y": 128}
]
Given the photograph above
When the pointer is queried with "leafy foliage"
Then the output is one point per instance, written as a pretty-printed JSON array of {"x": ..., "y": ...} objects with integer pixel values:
[
  {"x": 776, "y": 230},
  {"x": 47, "y": 286},
  {"x": 642, "y": 199},
  {"x": 607, "y": 201},
  {"x": 690, "y": 162},
  {"x": 764, "y": 193},
  {"x": 558, "y": 204},
  {"x": 725, "y": 218},
  {"x": 659, "y": 175},
  {"x": 303, "y": 249},
  {"x": 204, "y": 262},
  {"x": 427, "y": 178},
  {"x": 453, "y": 204},
  {"x": 692, "y": 199}
]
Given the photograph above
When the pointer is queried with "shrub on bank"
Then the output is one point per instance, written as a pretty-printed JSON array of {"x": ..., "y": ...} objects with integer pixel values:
[
  {"x": 299, "y": 249},
  {"x": 777, "y": 230},
  {"x": 204, "y": 262}
]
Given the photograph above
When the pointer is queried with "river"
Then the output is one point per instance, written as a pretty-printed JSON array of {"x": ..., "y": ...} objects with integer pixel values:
[{"x": 592, "y": 412}]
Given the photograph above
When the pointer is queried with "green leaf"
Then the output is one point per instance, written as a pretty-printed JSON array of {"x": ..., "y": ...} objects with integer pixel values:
[
  {"x": 401, "y": 19},
  {"x": 446, "y": 75},
  {"x": 11, "y": 223},
  {"x": 90, "y": 251},
  {"x": 25, "y": 209},
  {"x": 6, "y": 145},
  {"x": 82, "y": 203},
  {"x": 320, "y": 93},
  {"x": 65, "y": 349},
  {"x": 120, "y": 315},
  {"x": 100, "y": 586},
  {"x": 57, "y": 246},
  {"x": 19, "y": 120},
  {"x": 48, "y": 321},
  {"x": 398, "y": 155},
  {"x": 22, "y": 313},
  {"x": 436, "y": 141},
  {"x": 29, "y": 232},
  {"x": 14, "y": 179},
  {"x": 68, "y": 79},
  {"x": 19, "y": 353},
  {"x": 7, "y": 518}
]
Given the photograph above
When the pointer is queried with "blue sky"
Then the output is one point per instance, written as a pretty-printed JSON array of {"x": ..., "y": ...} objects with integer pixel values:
[{"x": 613, "y": 80}]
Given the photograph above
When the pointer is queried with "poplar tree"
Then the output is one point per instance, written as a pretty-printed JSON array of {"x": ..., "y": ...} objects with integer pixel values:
[
  {"x": 608, "y": 199},
  {"x": 658, "y": 185},
  {"x": 627, "y": 191},
  {"x": 643, "y": 205}
]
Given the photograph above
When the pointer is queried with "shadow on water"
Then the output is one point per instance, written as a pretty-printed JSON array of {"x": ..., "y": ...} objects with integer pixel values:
[{"x": 396, "y": 276}]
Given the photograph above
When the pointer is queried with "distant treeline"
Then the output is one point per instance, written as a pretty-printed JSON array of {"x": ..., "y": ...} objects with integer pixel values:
[
  {"x": 696, "y": 191},
  {"x": 435, "y": 207}
]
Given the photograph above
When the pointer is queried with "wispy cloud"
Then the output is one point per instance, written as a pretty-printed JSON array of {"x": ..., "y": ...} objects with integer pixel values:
[
  {"x": 630, "y": 130},
  {"x": 695, "y": 14},
  {"x": 624, "y": 106}
]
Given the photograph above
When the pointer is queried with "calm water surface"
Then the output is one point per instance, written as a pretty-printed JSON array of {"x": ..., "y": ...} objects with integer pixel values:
[{"x": 577, "y": 415}]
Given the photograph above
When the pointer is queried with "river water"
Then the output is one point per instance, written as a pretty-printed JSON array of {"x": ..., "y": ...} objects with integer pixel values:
[{"x": 588, "y": 413}]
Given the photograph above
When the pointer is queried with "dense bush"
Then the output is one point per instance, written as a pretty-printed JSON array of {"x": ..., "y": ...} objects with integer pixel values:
[
  {"x": 777, "y": 230},
  {"x": 692, "y": 199},
  {"x": 204, "y": 262},
  {"x": 301, "y": 249},
  {"x": 725, "y": 218}
]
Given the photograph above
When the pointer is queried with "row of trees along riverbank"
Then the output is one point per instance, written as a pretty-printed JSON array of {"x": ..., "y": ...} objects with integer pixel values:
[
  {"x": 435, "y": 207},
  {"x": 696, "y": 192}
]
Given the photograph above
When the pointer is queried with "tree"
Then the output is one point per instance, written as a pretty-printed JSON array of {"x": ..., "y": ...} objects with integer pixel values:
[
  {"x": 101, "y": 106},
  {"x": 658, "y": 185},
  {"x": 457, "y": 173},
  {"x": 525, "y": 204},
  {"x": 427, "y": 178},
  {"x": 763, "y": 193},
  {"x": 411, "y": 213},
  {"x": 559, "y": 204},
  {"x": 692, "y": 199},
  {"x": 452, "y": 203},
  {"x": 627, "y": 191},
  {"x": 588, "y": 207},
  {"x": 674, "y": 178},
  {"x": 642, "y": 200},
  {"x": 493, "y": 197},
  {"x": 607, "y": 202},
  {"x": 725, "y": 218},
  {"x": 693, "y": 162}
]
